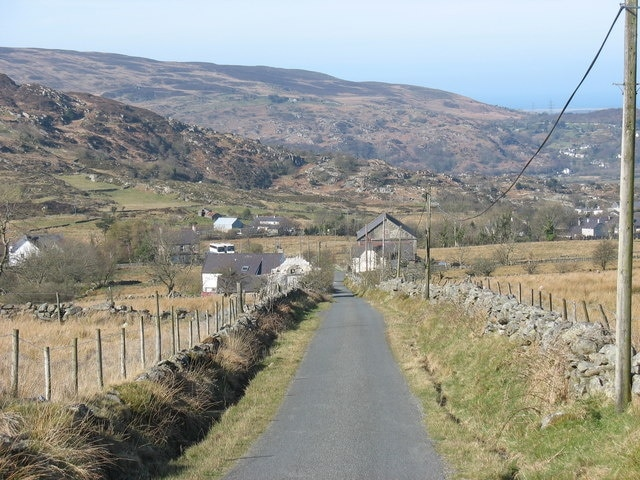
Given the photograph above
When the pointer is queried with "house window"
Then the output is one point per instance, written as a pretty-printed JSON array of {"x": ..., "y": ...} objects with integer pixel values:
[{"x": 245, "y": 268}]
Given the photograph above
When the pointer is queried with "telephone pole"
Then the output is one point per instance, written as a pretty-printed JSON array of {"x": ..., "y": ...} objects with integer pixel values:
[
  {"x": 626, "y": 229},
  {"x": 427, "y": 273}
]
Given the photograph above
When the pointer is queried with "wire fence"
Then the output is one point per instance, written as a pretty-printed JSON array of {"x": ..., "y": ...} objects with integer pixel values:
[
  {"x": 572, "y": 310},
  {"x": 85, "y": 364}
]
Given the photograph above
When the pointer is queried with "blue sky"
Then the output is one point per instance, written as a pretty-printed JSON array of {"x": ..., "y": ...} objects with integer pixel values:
[{"x": 525, "y": 54}]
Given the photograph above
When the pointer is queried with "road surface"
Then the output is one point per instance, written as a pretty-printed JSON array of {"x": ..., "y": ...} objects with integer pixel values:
[{"x": 348, "y": 413}]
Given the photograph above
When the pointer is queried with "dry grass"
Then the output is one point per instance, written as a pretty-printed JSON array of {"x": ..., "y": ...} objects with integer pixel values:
[
  {"x": 239, "y": 351},
  {"x": 36, "y": 334},
  {"x": 47, "y": 445},
  {"x": 141, "y": 424}
]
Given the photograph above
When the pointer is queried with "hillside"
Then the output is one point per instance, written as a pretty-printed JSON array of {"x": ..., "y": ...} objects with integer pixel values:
[
  {"x": 412, "y": 127},
  {"x": 45, "y": 133}
]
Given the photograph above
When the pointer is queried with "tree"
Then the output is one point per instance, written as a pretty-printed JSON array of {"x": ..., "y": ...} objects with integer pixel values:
[
  {"x": 604, "y": 253},
  {"x": 229, "y": 279},
  {"x": 5, "y": 215},
  {"x": 162, "y": 266},
  {"x": 8, "y": 196},
  {"x": 66, "y": 268}
]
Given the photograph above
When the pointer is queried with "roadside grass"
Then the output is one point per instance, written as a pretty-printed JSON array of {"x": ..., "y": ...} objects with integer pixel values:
[
  {"x": 244, "y": 422},
  {"x": 485, "y": 399}
]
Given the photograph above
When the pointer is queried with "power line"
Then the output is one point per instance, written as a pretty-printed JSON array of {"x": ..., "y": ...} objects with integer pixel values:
[{"x": 555, "y": 124}]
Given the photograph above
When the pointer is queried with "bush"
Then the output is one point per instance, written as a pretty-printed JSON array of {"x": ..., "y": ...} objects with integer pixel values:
[{"x": 481, "y": 267}]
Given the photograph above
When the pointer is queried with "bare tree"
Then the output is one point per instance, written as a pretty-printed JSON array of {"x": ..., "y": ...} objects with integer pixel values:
[
  {"x": 8, "y": 197},
  {"x": 229, "y": 279},
  {"x": 604, "y": 253},
  {"x": 4, "y": 244},
  {"x": 164, "y": 266}
]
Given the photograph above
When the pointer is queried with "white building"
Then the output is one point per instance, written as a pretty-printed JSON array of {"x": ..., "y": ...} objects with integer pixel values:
[{"x": 226, "y": 224}]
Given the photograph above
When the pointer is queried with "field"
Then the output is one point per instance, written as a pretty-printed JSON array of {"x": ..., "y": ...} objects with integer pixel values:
[{"x": 564, "y": 271}]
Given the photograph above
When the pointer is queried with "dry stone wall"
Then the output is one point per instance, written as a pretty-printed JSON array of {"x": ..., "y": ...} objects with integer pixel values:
[{"x": 589, "y": 348}]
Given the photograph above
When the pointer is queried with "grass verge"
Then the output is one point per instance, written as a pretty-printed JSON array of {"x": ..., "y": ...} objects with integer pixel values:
[
  {"x": 243, "y": 422},
  {"x": 485, "y": 399}
]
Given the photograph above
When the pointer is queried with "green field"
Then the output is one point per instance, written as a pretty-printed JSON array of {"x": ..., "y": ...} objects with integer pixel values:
[{"x": 132, "y": 198}]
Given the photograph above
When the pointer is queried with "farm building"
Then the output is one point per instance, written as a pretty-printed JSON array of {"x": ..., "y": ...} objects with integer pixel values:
[
  {"x": 382, "y": 240},
  {"x": 226, "y": 224}
]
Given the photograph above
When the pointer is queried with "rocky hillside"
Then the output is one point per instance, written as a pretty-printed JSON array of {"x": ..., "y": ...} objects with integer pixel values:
[
  {"x": 45, "y": 132},
  {"x": 70, "y": 132},
  {"x": 412, "y": 127}
]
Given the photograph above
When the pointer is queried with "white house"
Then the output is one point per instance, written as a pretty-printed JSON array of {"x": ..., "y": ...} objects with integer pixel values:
[
  {"x": 226, "y": 224},
  {"x": 288, "y": 274},
  {"x": 30, "y": 245},
  {"x": 366, "y": 261},
  {"x": 250, "y": 269}
]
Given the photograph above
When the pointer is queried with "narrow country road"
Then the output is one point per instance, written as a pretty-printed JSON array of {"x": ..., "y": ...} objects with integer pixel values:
[{"x": 348, "y": 413}]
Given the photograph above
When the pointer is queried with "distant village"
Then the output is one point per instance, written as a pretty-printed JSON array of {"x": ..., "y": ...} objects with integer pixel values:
[{"x": 383, "y": 242}]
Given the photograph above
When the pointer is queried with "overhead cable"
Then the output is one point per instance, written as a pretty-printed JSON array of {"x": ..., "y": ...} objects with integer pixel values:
[{"x": 555, "y": 124}]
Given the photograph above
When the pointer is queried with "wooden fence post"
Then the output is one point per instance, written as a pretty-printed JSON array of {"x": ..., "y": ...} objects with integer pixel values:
[
  {"x": 519, "y": 293},
  {"x": 142, "y": 349},
  {"x": 604, "y": 317},
  {"x": 190, "y": 333},
  {"x": 197, "y": 327},
  {"x": 217, "y": 318},
  {"x": 15, "y": 363},
  {"x": 509, "y": 286},
  {"x": 178, "y": 337},
  {"x": 532, "y": 298},
  {"x": 564, "y": 309},
  {"x": 158, "y": 340},
  {"x": 75, "y": 367},
  {"x": 157, "y": 305},
  {"x": 123, "y": 353},
  {"x": 99, "y": 359},
  {"x": 47, "y": 374},
  {"x": 239, "y": 290},
  {"x": 586, "y": 312},
  {"x": 540, "y": 298},
  {"x": 550, "y": 303},
  {"x": 173, "y": 330},
  {"x": 58, "y": 307},
  {"x": 499, "y": 289},
  {"x": 207, "y": 319}
]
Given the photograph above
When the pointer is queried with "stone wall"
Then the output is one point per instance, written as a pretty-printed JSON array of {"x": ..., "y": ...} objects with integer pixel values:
[{"x": 589, "y": 348}]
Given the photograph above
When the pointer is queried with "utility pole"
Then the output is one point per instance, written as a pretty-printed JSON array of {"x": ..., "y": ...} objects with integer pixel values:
[
  {"x": 626, "y": 230},
  {"x": 427, "y": 280}
]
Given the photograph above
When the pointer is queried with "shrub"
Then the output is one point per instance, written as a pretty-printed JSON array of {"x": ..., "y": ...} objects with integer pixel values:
[{"x": 481, "y": 267}]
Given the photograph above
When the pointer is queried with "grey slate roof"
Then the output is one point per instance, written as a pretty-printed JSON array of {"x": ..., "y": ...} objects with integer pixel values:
[
  {"x": 243, "y": 263},
  {"x": 376, "y": 222}
]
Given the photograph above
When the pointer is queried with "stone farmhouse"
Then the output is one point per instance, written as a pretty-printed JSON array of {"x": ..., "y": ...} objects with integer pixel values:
[{"x": 382, "y": 241}]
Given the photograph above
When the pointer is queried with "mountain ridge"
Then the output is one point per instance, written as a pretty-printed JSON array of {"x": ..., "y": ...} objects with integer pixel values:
[{"x": 404, "y": 125}]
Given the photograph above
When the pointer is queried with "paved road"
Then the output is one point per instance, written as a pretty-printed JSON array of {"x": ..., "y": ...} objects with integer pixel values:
[{"x": 348, "y": 413}]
